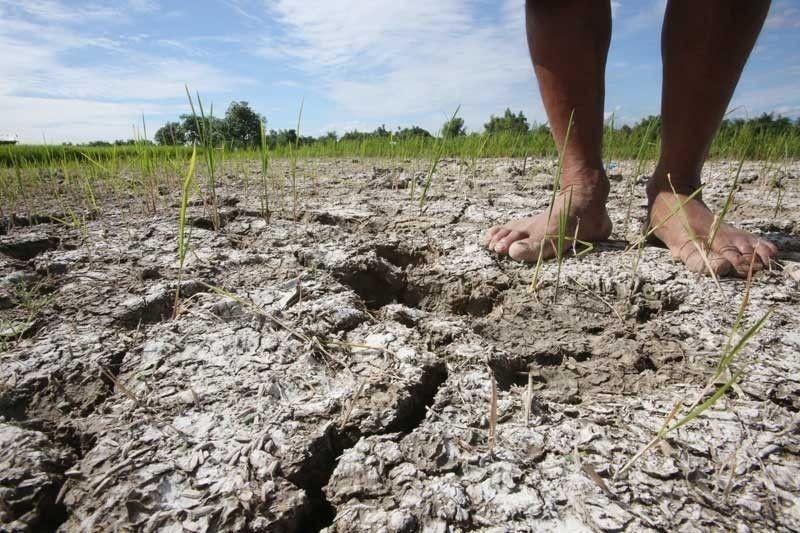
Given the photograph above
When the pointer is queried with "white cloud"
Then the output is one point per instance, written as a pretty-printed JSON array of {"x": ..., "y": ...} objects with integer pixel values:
[
  {"x": 383, "y": 59},
  {"x": 57, "y": 11},
  {"x": 77, "y": 120},
  {"x": 777, "y": 98},
  {"x": 245, "y": 12},
  {"x": 36, "y": 73}
]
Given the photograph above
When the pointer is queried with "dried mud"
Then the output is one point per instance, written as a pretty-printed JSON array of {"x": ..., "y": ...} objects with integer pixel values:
[{"x": 347, "y": 385}]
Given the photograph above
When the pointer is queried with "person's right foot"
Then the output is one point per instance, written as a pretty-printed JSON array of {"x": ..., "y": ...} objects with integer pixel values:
[
  {"x": 522, "y": 239},
  {"x": 686, "y": 234}
]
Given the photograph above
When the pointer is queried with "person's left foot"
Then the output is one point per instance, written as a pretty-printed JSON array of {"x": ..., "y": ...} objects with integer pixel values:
[{"x": 732, "y": 250}]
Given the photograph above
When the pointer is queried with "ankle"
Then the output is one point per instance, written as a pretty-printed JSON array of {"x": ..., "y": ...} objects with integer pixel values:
[
  {"x": 589, "y": 184},
  {"x": 667, "y": 182}
]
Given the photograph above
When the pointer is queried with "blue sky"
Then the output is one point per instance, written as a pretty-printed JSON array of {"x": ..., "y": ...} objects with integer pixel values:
[{"x": 77, "y": 71}]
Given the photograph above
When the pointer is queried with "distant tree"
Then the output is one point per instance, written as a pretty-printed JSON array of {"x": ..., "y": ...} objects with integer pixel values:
[
  {"x": 98, "y": 143},
  {"x": 413, "y": 131},
  {"x": 242, "y": 125},
  {"x": 330, "y": 136},
  {"x": 193, "y": 126},
  {"x": 354, "y": 135},
  {"x": 509, "y": 122},
  {"x": 651, "y": 123},
  {"x": 281, "y": 137},
  {"x": 454, "y": 127},
  {"x": 381, "y": 131},
  {"x": 170, "y": 134},
  {"x": 541, "y": 129}
]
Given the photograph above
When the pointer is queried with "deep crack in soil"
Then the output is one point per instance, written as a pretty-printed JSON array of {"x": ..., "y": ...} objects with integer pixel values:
[{"x": 325, "y": 452}]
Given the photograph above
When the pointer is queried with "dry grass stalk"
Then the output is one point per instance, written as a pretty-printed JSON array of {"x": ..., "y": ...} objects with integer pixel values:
[
  {"x": 700, "y": 247},
  {"x": 352, "y": 404},
  {"x": 529, "y": 397},
  {"x": 492, "y": 412}
]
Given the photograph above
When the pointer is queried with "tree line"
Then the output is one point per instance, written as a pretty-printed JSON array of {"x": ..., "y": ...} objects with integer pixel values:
[{"x": 240, "y": 127}]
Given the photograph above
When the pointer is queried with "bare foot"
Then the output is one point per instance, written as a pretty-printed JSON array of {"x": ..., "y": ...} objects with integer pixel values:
[
  {"x": 522, "y": 239},
  {"x": 732, "y": 250}
]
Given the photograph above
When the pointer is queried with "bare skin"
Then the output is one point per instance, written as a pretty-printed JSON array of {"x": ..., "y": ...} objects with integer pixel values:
[
  {"x": 705, "y": 46},
  {"x": 522, "y": 239},
  {"x": 730, "y": 253}
]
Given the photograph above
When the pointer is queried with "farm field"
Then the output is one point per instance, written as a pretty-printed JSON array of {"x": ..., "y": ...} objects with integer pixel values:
[{"x": 329, "y": 347}]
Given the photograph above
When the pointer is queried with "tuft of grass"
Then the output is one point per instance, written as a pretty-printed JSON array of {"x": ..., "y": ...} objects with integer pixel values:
[
  {"x": 559, "y": 240},
  {"x": 206, "y": 133},
  {"x": 718, "y": 219},
  {"x": 265, "y": 193},
  {"x": 728, "y": 356},
  {"x": 638, "y": 169},
  {"x": 183, "y": 238},
  {"x": 293, "y": 159},
  {"x": 437, "y": 155},
  {"x": 556, "y": 188}
]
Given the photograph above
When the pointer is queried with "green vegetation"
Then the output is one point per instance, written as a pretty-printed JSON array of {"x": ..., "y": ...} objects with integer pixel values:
[
  {"x": 68, "y": 181},
  {"x": 509, "y": 122},
  {"x": 449, "y": 127},
  {"x": 454, "y": 128},
  {"x": 238, "y": 134},
  {"x": 183, "y": 238}
]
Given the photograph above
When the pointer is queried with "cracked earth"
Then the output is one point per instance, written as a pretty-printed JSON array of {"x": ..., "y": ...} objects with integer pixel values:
[{"x": 333, "y": 370}]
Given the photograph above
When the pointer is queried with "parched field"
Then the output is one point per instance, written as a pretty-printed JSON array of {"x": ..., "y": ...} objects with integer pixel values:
[{"x": 333, "y": 366}]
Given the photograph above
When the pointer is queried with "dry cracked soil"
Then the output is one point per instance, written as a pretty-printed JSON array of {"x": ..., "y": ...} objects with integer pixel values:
[{"x": 332, "y": 369}]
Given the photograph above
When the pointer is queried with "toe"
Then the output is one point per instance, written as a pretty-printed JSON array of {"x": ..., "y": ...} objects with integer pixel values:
[
  {"x": 749, "y": 260},
  {"x": 501, "y": 246},
  {"x": 741, "y": 257},
  {"x": 720, "y": 265},
  {"x": 524, "y": 250},
  {"x": 528, "y": 250},
  {"x": 766, "y": 252},
  {"x": 497, "y": 236},
  {"x": 730, "y": 252},
  {"x": 489, "y": 235},
  {"x": 692, "y": 257}
]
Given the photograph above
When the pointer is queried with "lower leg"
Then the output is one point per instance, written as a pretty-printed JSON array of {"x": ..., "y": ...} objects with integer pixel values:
[
  {"x": 568, "y": 42},
  {"x": 705, "y": 46}
]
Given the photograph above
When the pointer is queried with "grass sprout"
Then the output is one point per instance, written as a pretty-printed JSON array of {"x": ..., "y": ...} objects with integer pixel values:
[
  {"x": 558, "y": 241},
  {"x": 638, "y": 169},
  {"x": 701, "y": 247},
  {"x": 265, "y": 193},
  {"x": 206, "y": 137},
  {"x": 728, "y": 356},
  {"x": 437, "y": 155},
  {"x": 726, "y": 207},
  {"x": 293, "y": 160},
  {"x": 183, "y": 237}
]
